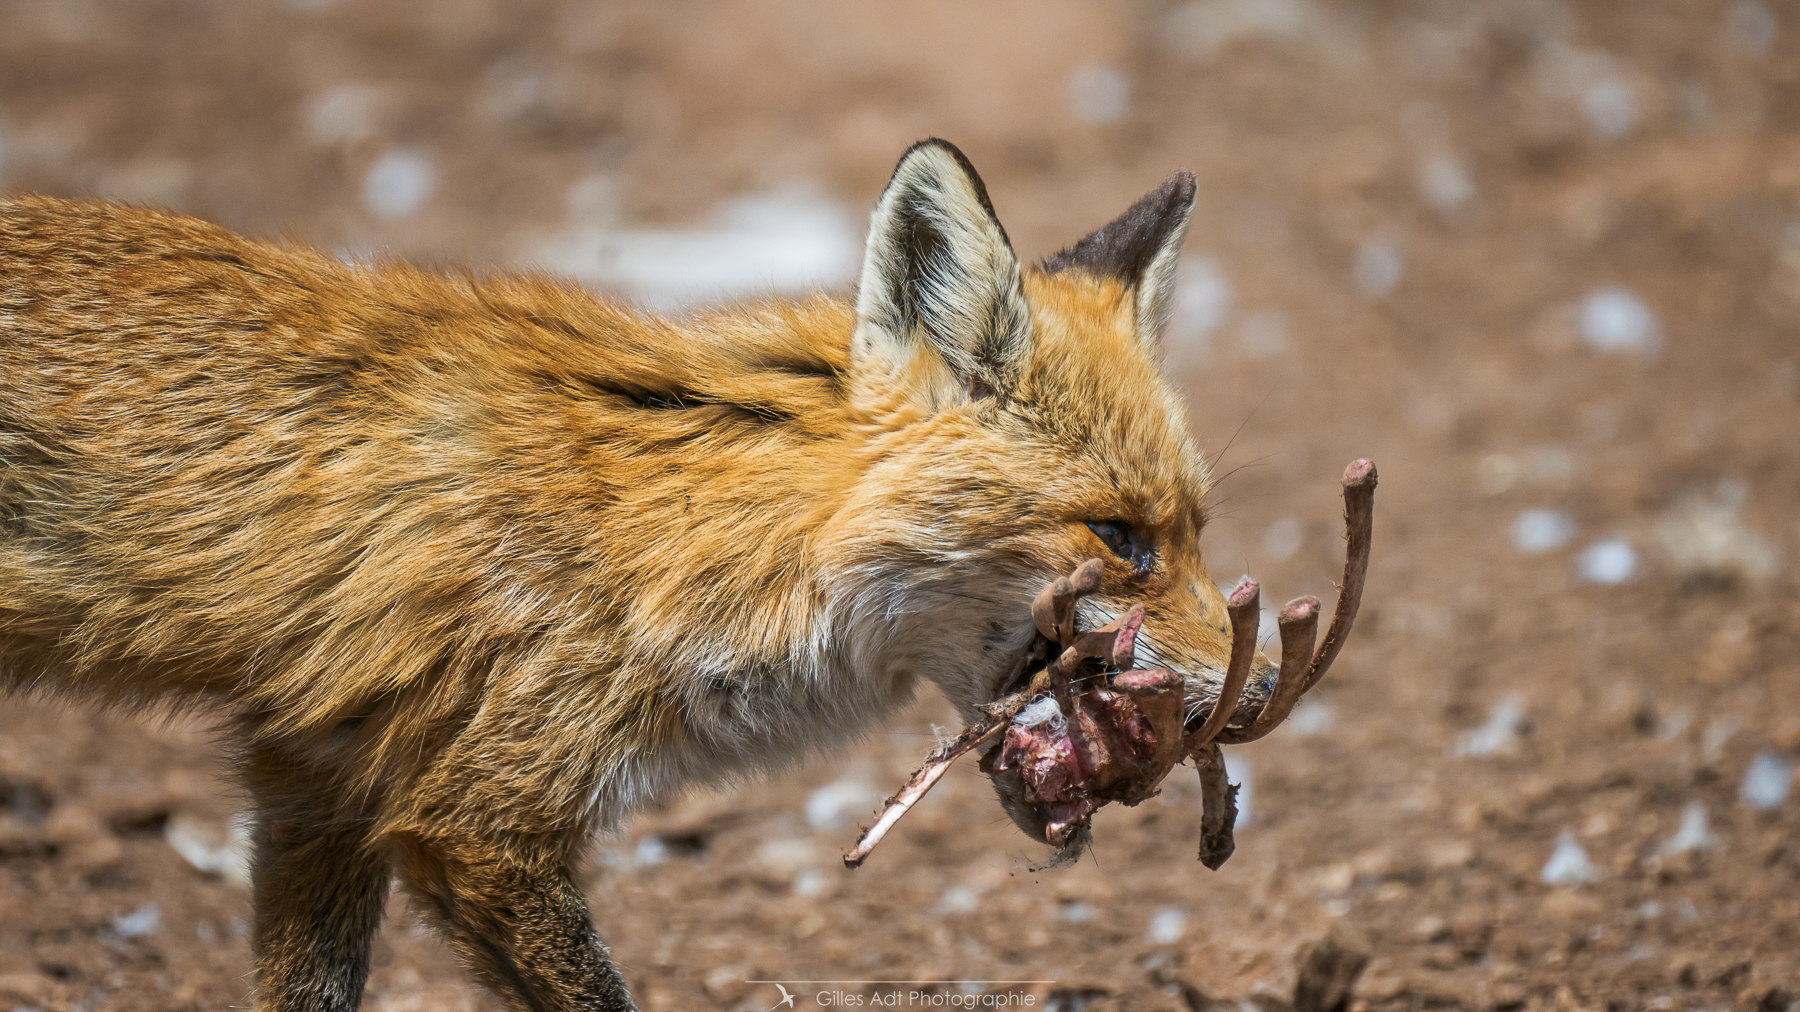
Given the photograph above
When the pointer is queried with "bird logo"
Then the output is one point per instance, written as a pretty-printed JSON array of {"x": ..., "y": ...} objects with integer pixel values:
[{"x": 786, "y": 999}]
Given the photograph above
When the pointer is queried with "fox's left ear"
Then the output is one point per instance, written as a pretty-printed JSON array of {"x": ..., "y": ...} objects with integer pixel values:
[
  {"x": 1140, "y": 248},
  {"x": 940, "y": 282}
]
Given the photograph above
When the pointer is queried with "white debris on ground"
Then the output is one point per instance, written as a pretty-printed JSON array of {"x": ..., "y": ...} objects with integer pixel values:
[
  {"x": 1703, "y": 535},
  {"x": 782, "y": 242},
  {"x": 1445, "y": 184},
  {"x": 959, "y": 899},
  {"x": 1098, "y": 94},
  {"x": 1237, "y": 771},
  {"x": 1074, "y": 912},
  {"x": 1615, "y": 320},
  {"x": 1500, "y": 734},
  {"x": 836, "y": 803},
  {"x": 1607, "y": 562},
  {"x": 1767, "y": 780},
  {"x": 1598, "y": 85},
  {"x": 809, "y": 883},
  {"x": 398, "y": 184},
  {"x": 1540, "y": 530},
  {"x": 206, "y": 848},
  {"x": 141, "y": 921},
  {"x": 1568, "y": 864},
  {"x": 650, "y": 850},
  {"x": 1611, "y": 106},
  {"x": 1310, "y": 717},
  {"x": 787, "y": 856},
  {"x": 345, "y": 114},
  {"x": 1378, "y": 266},
  {"x": 1282, "y": 539},
  {"x": 1692, "y": 834},
  {"x": 1167, "y": 925}
]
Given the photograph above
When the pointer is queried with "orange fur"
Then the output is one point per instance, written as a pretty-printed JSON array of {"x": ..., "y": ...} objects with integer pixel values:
[{"x": 474, "y": 566}]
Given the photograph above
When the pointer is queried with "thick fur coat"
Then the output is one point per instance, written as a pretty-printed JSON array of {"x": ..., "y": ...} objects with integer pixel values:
[{"x": 473, "y": 566}]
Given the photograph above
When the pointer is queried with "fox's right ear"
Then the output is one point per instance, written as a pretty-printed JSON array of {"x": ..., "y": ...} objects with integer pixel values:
[{"x": 940, "y": 283}]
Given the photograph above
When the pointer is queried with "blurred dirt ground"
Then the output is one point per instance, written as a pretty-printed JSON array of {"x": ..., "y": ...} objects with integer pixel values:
[{"x": 1540, "y": 260}]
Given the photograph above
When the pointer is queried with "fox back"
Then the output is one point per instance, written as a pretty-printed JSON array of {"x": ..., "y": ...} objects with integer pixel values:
[{"x": 472, "y": 566}]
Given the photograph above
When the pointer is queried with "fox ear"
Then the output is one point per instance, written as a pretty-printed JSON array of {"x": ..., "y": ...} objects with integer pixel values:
[
  {"x": 939, "y": 273},
  {"x": 1140, "y": 248}
]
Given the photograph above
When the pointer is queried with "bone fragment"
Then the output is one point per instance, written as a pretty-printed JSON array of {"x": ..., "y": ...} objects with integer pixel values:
[
  {"x": 1299, "y": 623},
  {"x": 1245, "y": 608},
  {"x": 1359, "y": 526},
  {"x": 1218, "y": 807}
]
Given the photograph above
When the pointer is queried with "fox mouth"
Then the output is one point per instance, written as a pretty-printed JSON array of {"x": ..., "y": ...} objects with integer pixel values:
[
  {"x": 1092, "y": 727},
  {"x": 1112, "y": 731}
]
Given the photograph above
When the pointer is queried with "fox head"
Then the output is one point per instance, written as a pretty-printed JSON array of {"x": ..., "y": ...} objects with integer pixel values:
[{"x": 1019, "y": 424}]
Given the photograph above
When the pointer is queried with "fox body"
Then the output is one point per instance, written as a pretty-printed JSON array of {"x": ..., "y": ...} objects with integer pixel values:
[{"x": 472, "y": 567}]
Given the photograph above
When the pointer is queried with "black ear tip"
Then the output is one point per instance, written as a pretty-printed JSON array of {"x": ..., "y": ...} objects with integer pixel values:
[
  {"x": 1180, "y": 189},
  {"x": 938, "y": 144},
  {"x": 934, "y": 142}
]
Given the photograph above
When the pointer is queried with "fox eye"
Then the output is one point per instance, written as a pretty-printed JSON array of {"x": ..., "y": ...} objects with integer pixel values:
[{"x": 1126, "y": 542}]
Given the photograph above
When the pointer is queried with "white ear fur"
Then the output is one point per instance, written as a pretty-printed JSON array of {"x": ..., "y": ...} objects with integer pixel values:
[
  {"x": 1156, "y": 289},
  {"x": 939, "y": 277}
]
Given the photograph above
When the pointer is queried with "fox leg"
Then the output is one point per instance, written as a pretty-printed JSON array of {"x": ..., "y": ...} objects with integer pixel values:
[
  {"x": 510, "y": 907},
  {"x": 320, "y": 888}
]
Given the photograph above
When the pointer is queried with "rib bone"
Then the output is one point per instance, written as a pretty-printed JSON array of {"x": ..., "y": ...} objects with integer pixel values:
[
  {"x": 1359, "y": 525},
  {"x": 1245, "y": 608},
  {"x": 1299, "y": 623}
]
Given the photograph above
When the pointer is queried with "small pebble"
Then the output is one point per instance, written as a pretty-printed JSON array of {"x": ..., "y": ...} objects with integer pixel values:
[
  {"x": 1378, "y": 267},
  {"x": 1616, "y": 320},
  {"x": 1446, "y": 184},
  {"x": 1693, "y": 833},
  {"x": 1611, "y": 106},
  {"x": 651, "y": 850},
  {"x": 832, "y": 805},
  {"x": 398, "y": 184},
  {"x": 1609, "y": 562},
  {"x": 1075, "y": 912},
  {"x": 1568, "y": 864},
  {"x": 1167, "y": 926},
  {"x": 1768, "y": 780},
  {"x": 958, "y": 900},
  {"x": 1500, "y": 731},
  {"x": 141, "y": 921},
  {"x": 1539, "y": 530}
]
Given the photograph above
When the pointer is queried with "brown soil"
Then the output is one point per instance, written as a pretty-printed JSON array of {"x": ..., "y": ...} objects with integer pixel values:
[{"x": 1471, "y": 138}]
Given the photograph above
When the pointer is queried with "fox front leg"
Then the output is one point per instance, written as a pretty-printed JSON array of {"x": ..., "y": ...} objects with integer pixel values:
[
  {"x": 511, "y": 909},
  {"x": 320, "y": 887}
]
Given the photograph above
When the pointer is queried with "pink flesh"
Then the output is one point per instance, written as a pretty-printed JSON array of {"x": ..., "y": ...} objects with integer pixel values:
[{"x": 1063, "y": 775}]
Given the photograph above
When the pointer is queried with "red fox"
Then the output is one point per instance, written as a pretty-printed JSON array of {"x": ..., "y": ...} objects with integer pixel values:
[{"x": 473, "y": 567}]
